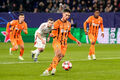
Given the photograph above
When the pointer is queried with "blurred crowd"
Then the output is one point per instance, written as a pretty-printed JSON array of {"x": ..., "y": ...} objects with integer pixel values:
[{"x": 57, "y": 6}]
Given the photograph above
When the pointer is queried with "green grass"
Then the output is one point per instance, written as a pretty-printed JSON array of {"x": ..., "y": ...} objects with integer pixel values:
[{"x": 106, "y": 67}]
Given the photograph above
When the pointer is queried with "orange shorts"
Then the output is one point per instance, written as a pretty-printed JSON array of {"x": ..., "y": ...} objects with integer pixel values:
[
  {"x": 92, "y": 38},
  {"x": 57, "y": 46},
  {"x": 16, "y": 41}
]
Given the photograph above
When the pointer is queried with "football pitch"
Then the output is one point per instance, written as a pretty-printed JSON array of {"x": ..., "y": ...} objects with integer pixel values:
[{"x": 106, "y": 67}]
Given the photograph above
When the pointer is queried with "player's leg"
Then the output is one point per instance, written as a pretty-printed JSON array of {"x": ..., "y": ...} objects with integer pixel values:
[
  {"x": 93, "y": 53},
  {"x": 38, "y": 51},
  {"x": 57, "y": 51},
  {"x": 60, "y": 56},
  {"x": 14, "y": 46},
  {"x": 21, "y": 43},
  {"x": 35, "y": 45},
  {"x": 92, "y": 47},
  {"x": 39, "y": 48}
]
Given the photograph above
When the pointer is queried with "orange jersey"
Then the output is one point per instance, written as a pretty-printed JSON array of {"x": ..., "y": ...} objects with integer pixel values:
[
  {"x": 94, "y": 24},
  {"x": 61, "y": 32},
  {"x": 16, "y": 28}
]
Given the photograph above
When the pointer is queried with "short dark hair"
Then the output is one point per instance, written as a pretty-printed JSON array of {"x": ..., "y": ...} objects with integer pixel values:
[
  {"x": 50, "y": 19},
  {"x": 21, "y": 14},
  {"x": 67, "y": 10},
  {"x": 96, "y": 10}
]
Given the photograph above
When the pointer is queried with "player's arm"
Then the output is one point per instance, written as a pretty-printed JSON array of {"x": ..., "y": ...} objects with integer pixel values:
[
  {"x": 25, "y": 29},
  {"x": 39, "y": 33},
  {"x": 102, "y": 28},
  {"x": 54, "y": 30},
  {"x": 73, "y": 38},
  {"x": 39, "y": 36},
  {"x": 85, "y": 25},
  {"x": 48, "y": 39},
  {"x": 8, "y": 25}
]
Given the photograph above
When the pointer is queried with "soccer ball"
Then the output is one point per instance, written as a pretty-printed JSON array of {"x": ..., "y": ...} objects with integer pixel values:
[{"x": 67, "y": 65}]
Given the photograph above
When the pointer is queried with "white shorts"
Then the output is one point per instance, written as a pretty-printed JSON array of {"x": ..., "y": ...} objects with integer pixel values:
[{"x": 38, "y": 43}]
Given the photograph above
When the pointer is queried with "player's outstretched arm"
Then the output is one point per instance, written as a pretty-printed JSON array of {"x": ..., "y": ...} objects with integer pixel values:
[
  {"x": 7, "y": 28},
  {"x": 73, "y": 38},
  {"x": 25, "y": 29},
  {"x": 48, "y": 39},
  {"x": 55, "y": 29}
]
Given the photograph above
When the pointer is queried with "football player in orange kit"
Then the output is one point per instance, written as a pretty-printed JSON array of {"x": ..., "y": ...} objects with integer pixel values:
[
  {"x": 17, "y": 26},
  {"x": 94, "y": 22},
  {"x": 60, "y": 34}
]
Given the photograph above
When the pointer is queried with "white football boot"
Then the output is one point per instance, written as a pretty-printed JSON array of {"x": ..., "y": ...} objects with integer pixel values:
[
  {"x": 94, "y": 58},
  {"x": 45, "y": 73},
  {"x": 20, "y": 58},
  {"x": 89, "y": 57},
  {"x": 53, "y": 71}
]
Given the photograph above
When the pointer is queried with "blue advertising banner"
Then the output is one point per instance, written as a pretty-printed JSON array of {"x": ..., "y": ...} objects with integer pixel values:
[{"x": 35, "y": 19}]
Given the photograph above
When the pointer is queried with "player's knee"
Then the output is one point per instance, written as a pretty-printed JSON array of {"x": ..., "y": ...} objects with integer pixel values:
[
  {"x": 16, "y": 47},
  {"x": 22, "y": 47},
  {"x": 93, "y": 43},
  {"x": 41, "y": 50}
]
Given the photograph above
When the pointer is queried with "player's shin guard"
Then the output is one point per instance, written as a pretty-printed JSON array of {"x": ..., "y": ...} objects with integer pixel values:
[{"x": 21, "y": 51}]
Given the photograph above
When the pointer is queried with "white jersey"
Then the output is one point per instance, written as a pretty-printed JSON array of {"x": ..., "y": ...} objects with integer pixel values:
[{"x": 43, "y": 29}]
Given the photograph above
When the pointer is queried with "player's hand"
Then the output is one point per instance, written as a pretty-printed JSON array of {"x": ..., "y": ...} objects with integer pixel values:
[
  {"x": 43, "y": 42},
  {"x": 48, "y": 39},
  {"x": 6, "y": 34},
  {"x": 51, "y": 35},
  {"x": 78, "y": 42},
  {"x": 86, "y": 33},
  {"x": 102, "y": 35}
]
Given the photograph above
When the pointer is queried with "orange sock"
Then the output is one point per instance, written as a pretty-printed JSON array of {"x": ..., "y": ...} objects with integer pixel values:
[
  {"x": 21, "y": 52},
  {"x": 93, "y": 49},
  {"x": 53, "y": 64},
  {"x": 13, "y": 49},
  {"x": 90, "y": 52}
]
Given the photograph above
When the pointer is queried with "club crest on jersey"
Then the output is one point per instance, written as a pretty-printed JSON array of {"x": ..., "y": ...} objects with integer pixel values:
[{"x": 68, "y": 26}]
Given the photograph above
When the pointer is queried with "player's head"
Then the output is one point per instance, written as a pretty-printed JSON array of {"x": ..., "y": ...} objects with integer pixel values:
[
  {"x": 50, "y": 22},
  {"x": 66, "y": 14},
  {"x": 96, "y": 13},
  {"x": 21, "y": 17}
]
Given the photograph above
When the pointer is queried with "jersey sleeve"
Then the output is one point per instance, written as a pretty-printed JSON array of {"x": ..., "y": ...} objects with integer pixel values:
[
  {"x": 101, "y": 25},
  {"x": 8, "y": 25},
  {"x": 25, "y": 29},
  {"x": 55, "y": 29},
  {"x": 70, "y": 35},
  {"x": 86, "y": 22},
  {"x": 12, "y": 22}
]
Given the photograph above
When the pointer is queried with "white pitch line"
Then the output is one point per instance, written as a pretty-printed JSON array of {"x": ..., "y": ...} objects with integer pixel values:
[{"x": 50, "y": 61}]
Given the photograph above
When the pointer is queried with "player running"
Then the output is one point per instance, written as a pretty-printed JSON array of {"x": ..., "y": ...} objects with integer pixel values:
[
  {"x": 40, "y": 37},
  {"x": 60, "y": 33},
  {"x": 94, "y": 22},
  {"x": 17, "y": 26}
]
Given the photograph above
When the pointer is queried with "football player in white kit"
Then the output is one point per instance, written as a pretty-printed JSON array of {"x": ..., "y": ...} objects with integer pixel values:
[{"x": 40, "y": 38}]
